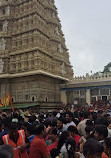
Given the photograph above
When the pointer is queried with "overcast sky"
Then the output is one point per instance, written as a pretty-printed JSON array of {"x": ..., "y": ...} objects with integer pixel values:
[{"x": 87, "y": 28}]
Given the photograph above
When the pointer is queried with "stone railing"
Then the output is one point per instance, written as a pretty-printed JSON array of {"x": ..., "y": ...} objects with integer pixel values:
[{"x": 92, "y": 78}]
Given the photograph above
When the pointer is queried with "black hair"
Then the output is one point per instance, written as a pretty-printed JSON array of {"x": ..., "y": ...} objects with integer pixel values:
[
  {"x": 32, "y": 118},
  {"x": 102, "y": 121},
  {"x": 89, "y": 123},
  {"x": 64, "y": 135},
  {"x": 54, "y": 113},
  {"x": 6, "y": 122},
  {"x": 15, "y": 115},
  {"x": 102, "y": 130},
  {"x": 6, "y": 151},
  {"x": 54, "y": 152},
  {"x": 73, "y": 129},
  {"x": 47, "y": 123},
  {"x": 71, "y": 146},
  {"x": 4, "y": 115},
  {"x": 70, "y": 114},
  {"x": 60, "y": 119},
  {"x": 106, "y": 115},
  {"x": 92, "y": 147},
  {"x": 30, "y": 128},
  {"x": 108, "y": 143},
  {"x": 13, "y": 126},
  {"x": 88, "y": 129},
  {"x": 53, "y": 130},
  {"x": 54, "y": 123},
  {"x": 81, "y": 114},
  {"x": 94, "y": 116},
  {"x": 86, "y": 114},
  {"x": 38, "y": 129}
]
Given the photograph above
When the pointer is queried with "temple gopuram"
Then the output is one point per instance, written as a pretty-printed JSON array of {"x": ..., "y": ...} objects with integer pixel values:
[{"x": 34, "y": 60}]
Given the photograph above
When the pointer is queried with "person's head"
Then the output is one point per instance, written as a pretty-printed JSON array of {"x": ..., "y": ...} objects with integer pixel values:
[
  {"x": 54, "y": 152},
  {"x": 64, "y": 135},
  {"x": 88, "y": 129},
  {"x": 30, "y": 129},
  {"x": 54, "y": 123},
  {"x": 15, "y": 115},
  {"x": 52, "y": 134},
  {"x": 72, "y": 131},
  {"x": 92, "y": 149},
  {"x": 101, "y": 132},
  {"x": 6, "y": 151},
  {"x": 69, "y": 117},
  {"x": 59, "y": 123},
  {"x": 107, "y": 146},
  {"x": 70, "y": 146},
  {"x": 13, "y": 130},
  {"x": 32, "y": 118},
  {"x": 89, "y": 123},
  {"x": 102, "y": 121},
  {"x": 87, "y": 115},
  {"x": 40, "y": 130},
  {"x": 107, "y": 116},
  {"x": 6, "y": 122}
]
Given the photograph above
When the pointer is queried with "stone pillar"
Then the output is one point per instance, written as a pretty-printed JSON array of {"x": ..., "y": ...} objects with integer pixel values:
[
  {"x": 63, "y": 97},
  {"x": 88, "y": 96}
]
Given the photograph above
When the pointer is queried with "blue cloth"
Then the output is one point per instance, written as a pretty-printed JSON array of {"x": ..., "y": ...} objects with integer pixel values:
[
  {"x": 30, "y": 140},
  {"x": 5, "y": 132}
]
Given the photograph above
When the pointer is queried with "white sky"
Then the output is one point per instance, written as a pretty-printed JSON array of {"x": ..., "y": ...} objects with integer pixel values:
[{"x": 87, "y": 28}]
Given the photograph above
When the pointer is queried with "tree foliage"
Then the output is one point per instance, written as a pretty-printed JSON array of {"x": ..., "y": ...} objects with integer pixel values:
[{"x": 107, "y": 68}]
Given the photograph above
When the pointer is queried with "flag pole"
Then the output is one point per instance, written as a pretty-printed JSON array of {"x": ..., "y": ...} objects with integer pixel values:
[{"x": 9, "y": 95}]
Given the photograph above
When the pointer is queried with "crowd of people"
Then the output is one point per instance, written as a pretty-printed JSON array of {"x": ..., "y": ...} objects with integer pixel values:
[{"x": 79, "y": 133}]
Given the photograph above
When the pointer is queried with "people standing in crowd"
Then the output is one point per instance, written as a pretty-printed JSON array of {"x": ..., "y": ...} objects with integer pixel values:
[
  {"x": 92, "y": 149},
  {"x": 71, "y": 149},
  {"x": 17, "y": 140},
  {"x": 53, "y": 139},
  {"x": 60, "y": 127},
  {"x": 62, "y": 142},
  {"x": 30, "y": 132},
  {"x": 38, "y": 147},
  {"x": 107, "y": 148},
  {"x": 5, "y": 127},
  {"x": 75, "y": 135},
  {"x": 101, "y": 133},
  {"x": 81, "y": 126},
  {"x": 59, "y": 130},
  {"x": 69, "y": 120}
]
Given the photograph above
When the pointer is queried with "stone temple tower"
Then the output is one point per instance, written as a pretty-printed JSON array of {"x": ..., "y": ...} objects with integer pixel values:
[{"x": 34, "y": 59}]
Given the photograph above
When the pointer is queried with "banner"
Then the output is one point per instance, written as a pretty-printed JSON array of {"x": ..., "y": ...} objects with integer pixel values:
[{"x": 4, "y": 102}]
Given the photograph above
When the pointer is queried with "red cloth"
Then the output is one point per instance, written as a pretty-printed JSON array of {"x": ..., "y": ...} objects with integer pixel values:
[
  {"x": 38, "y": 148},
  {"x": 77, "y": 138},
  {"x": 104, "y": 155},
  {"x": 54, "y": 145}
]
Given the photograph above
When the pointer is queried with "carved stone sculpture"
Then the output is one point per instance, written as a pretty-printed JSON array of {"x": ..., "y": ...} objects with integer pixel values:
[
  {"x": 60, "y": 49},
  {"x": 1, "y": 65},
  {"x": 8, "y": 10},
  {"x": 5, "y": 25}
]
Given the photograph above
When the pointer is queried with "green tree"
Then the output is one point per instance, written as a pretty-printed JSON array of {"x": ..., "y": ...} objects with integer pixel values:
[{"x": 107, "y": 68}]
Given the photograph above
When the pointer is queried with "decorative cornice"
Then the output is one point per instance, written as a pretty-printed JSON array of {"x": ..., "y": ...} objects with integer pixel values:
[{"x": 30, "y": 73}]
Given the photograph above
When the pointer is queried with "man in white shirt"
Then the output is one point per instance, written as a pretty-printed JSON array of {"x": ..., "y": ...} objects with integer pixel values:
[
  {"x": 69, "y": 117},
  {"x": 81, "y": 126}
]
